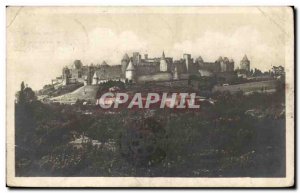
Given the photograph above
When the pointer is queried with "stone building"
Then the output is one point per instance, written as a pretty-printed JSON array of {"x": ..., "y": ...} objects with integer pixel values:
[
  {"x": 220, "y": 65},
  {"x": 130, "y": 72},
  {"x": 124, "y": 62},
  {"x": 245, "y": 64},
  {"x": 106, "y": 72},
  {"x": 144, "y": 69},
  {"x": 163, "y": 65}
]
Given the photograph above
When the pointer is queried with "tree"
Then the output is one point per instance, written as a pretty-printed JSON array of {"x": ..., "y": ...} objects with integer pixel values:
[
  {"x": 25, "y": 95},
  {"x": 21, "y": 98}
]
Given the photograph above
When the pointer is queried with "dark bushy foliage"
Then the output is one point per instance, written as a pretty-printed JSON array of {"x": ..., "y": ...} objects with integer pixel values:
[{"x": 225, "y": 139}]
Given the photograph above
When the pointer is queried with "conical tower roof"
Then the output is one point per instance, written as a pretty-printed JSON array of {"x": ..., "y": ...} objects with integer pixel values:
[
  {"x": 220, "y": 59},
  {"x": 163, "y": 55},
  {"x": 199, "y": 59},
  {"x": 77, "y": 64},
  {"x": 126, "y": 57},
  {"x": 226, "y": 59},
  {"x": 130, "y": 66},
  {"x": 245, "y": 58},
  {"x": 104, "y": 63}
]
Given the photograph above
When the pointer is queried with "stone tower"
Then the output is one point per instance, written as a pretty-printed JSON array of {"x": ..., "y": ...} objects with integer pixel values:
[
  {"x": 124, "y": 62},
  {"x": 136, "y": 58},
  {"x": 65, "y": 72},
  {"x": 89, "y": 75},
  {"x": 130, "y": 72},
  {"x": 225, "y": 64},
  {"x": 200, "y": 62},
  {"x": 65, "y": 76},
  {"x": 245, "y": 64},
  {"x": 231, "y": 65},
  {"x": 188, "y": 62},
  {"x": 163, "y": 66},
  {"x": 95, "y": 79},
  {"x": 175, "y": 74}
]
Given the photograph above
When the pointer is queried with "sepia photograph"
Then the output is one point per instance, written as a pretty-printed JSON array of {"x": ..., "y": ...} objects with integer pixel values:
[{"x": 149, "y": 96}]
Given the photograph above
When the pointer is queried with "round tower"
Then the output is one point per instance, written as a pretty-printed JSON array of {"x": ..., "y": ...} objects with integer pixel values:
[
  {"x": 163, "y": 66},
  {"x": 245, "y": 63},
  {"x": 66, "y": 72},
  {"x": 124, "y": 62},
  {"x": 130, "y": 72},
  {"x": 175, "y": 74},
  {"x": 77, "y": 64},
  {"x": 65, "y": 76},
  {"x": 95, "y": 79}
]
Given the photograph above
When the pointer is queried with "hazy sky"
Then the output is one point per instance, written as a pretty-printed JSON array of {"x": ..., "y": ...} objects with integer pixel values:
[{"x": 40, "y": 41}]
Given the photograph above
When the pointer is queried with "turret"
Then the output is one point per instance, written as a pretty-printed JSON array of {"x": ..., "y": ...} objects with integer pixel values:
[
  {"x": 65, "y": 76},
  {"x": 95, "y": 79},
  {"x": 188, "y": 62},
  {"x": 65, "y": 72},
  {"x": 77, "y": 64},
  {"x": 89, "y": 75},
  {"x": 220, "y": 59},
  {"x": 199, "y": 62},
  {"x": 124, "y": 62},
  {"x": 163, "y": 66},
  {"x": 231, "y": 65},
  {"x": 245, "y": 63},
  {"x": 104, "y": 63},
  {"x": 175, "y": 74},
  {"x": 130, "y": 72}
]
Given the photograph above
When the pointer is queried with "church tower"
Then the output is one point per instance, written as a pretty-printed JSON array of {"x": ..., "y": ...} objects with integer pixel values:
[{"x": 163, "y": 66}]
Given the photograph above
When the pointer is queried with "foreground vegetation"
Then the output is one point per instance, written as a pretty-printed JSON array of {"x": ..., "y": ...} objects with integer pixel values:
[{"x": 238, "y": 136}]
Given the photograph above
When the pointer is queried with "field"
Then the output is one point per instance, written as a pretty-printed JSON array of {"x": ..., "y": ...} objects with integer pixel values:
[{"x": 262, "y": 86}]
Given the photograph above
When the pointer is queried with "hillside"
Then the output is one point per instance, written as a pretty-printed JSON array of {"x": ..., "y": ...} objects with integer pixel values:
[
  {"x": 266, "y": 86},
  {"x": 87, "y": 93},
  {"x": 58, "y": 89}
]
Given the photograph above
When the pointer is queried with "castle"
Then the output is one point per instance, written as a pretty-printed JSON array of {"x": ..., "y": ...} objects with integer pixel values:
[{"x": 136, "y": 69}]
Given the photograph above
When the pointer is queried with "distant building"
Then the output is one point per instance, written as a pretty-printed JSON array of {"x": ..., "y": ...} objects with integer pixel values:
[
  {"x": 220, "y": 65},
  {"x": 205, "y": 73},
  {"x": 130, "y": 72},
  {"x": 175, "y": 74},
  {"x": 136, "y": 58},
  {"x": 245, "y": 64},
  {"x": 124, "y": 62},
  {"x": 163, "y": 65},
  {"x": 106, "y": 72},
  {"x": 138, "y": 69},
  {"x": 188, "y": 62}
]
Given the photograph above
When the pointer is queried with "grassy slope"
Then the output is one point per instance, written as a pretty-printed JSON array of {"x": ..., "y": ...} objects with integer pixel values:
[
  {"x": 87, "y": 92},
  {"x": 247, "y": 87}
]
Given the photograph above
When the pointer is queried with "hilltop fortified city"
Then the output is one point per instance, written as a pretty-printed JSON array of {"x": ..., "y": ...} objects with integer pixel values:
[
  {"x": 186, "y": 73},
  {"x": 136, "y": 69}
]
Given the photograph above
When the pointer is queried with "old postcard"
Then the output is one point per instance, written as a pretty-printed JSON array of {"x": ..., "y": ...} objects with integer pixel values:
[{"x": 150, "y": 96}]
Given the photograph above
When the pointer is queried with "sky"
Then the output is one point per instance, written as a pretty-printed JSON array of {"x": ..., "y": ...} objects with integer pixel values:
[{"x": 41, "y": 41}]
